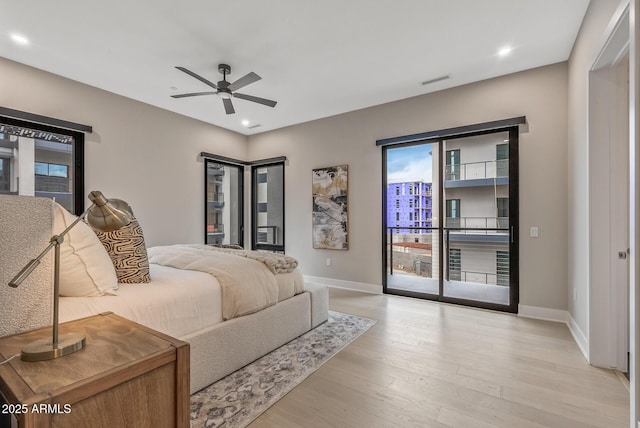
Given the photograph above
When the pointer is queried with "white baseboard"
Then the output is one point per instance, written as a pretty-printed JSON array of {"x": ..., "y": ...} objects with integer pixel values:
[
  {"x": 558, "y": 315},
  {"x": 578, "y": 336},
  {"x": 546, "y": 314},
  {"x": 349, "y": 285}
]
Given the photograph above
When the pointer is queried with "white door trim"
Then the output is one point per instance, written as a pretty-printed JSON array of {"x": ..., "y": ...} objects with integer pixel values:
[{"x": 608, "y": 133}]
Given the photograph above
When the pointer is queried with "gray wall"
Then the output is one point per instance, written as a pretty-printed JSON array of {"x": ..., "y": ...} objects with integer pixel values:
[
  {"x": 142, "y": 154},
  {"x": 147, "y": 155},
  {"x": 539, "y": 94}
]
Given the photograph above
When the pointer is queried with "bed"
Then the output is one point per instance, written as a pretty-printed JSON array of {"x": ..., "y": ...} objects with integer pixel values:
[{"x": 184, "y": 297}]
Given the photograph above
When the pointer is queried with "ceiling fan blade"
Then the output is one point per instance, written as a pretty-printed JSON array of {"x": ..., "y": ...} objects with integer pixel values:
[
  {"x": 200, "y": 78},
  {"x": 193, "y": 94},
  {"x": 228, "y": 106},
  {"x": 258, "y": 100},
  {"x": 244, "y": 81}
]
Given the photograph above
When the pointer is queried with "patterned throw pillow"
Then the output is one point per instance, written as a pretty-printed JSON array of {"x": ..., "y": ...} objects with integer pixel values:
[{"x": 128, "y": 253}]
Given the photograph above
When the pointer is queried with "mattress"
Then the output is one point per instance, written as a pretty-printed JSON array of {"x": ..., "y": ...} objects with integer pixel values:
[{"x": 176, "y": 302}]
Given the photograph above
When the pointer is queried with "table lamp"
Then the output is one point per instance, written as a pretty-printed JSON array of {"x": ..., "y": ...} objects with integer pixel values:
[{"x": 102, "y": 215}]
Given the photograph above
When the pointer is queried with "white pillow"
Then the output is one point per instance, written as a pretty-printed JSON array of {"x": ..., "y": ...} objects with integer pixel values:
[{"x": 85, "y": 267}]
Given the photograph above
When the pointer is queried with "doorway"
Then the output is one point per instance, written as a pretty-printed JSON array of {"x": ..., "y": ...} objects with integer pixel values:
[
  {"x": 450, "y": 218},
  {"x": 609, "y": 202}
]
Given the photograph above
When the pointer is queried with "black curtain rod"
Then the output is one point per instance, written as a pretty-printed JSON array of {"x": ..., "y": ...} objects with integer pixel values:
[
  {"x": 224, "y": 159},
  {"x": 233, "y": 161},
  {"x": 444, "y": 133},
  {"x": 31, "y": 117},
  {"x": 267, "y": 161}
]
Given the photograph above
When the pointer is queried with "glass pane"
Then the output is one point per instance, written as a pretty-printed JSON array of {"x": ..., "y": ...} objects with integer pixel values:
[
  {"x": 476, "y": 236},
  {"x": 42, "y": 168},
  {"x": 5, "y": 174},
  {"x": 269, "y": 207},
  {"x": 502, "y": 160},
  {"x": 224, "y": 202},
  {"x": 26, "y": 165},
  {"x": 58, "y": 170},
  {"x": 412, "y": 235}
]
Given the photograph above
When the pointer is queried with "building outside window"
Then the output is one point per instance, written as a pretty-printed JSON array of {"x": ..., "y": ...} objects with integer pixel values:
[
  {"x": 455, "y": 264},
  {"x": 452, "y": 171},
  {"x": 453, "y": 213},
  {"x": 408, "y": 208},
  {"x": 39, "y": 161}
]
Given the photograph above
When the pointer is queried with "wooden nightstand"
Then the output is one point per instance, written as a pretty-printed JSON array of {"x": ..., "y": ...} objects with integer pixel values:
[{"x": 127, "y": 375}]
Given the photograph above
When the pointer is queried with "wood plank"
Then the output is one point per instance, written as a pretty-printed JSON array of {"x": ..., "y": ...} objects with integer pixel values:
[{"x": 430, "y": 364}]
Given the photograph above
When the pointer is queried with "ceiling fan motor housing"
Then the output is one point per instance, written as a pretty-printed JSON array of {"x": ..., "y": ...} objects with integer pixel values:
[
  {"x": 223, "y": 91},
  {"x": 224, "y": 69}
]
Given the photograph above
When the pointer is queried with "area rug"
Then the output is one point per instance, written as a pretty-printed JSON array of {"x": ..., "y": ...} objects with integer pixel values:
[{"x": 236, "y": 400}]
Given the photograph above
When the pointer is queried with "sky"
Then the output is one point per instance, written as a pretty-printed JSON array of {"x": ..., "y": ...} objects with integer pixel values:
[{"x": 411, "y": 163}]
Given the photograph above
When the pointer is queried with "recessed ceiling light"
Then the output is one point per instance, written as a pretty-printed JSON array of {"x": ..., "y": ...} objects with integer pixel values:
[
  {"x": 245, "y": 122},
  {"x": 505, "y": 51},
  {"x": 19, "y": 39}
]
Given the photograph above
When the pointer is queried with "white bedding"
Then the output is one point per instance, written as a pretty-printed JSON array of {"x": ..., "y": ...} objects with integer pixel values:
[
  {"x": 176, "y": 302},
  {"x": 248, "y": 284}
]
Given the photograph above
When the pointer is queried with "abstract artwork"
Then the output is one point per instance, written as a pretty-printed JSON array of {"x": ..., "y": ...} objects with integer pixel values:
[{"x": 330, "y": 215}]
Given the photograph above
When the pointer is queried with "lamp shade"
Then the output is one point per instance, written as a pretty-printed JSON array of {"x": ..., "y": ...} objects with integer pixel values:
[{"x": 107, "y": 215}]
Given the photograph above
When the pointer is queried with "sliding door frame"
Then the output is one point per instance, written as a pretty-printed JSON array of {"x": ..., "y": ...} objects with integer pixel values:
[{"x": 438, "y": 137}]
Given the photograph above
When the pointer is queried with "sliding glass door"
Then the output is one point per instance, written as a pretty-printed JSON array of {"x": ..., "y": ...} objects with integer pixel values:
[
  {"x": 451, "y": 217},
  {"x": 411, "y": 219},
  {"x": 476, "y": 232}
]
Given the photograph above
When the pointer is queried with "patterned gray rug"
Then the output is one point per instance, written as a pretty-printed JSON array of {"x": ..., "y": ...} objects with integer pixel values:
[{"x": 238, "y": 399}]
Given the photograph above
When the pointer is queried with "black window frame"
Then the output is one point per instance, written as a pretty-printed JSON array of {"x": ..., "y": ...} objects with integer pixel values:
[
  {"x": 255, "y": 245},
  {"x": 240, "y": 216},
  {"x": 77, "y": 154}
]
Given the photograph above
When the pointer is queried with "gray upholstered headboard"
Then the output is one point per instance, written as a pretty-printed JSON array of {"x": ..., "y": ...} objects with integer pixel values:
[{"x": 26, "y": 224}]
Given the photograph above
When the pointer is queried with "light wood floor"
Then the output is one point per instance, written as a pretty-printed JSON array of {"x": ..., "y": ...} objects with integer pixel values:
[{"x": 426, "y": 364}]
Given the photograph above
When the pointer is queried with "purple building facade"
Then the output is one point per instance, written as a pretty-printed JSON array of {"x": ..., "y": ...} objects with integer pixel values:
[{"x": 409, "y": 205}]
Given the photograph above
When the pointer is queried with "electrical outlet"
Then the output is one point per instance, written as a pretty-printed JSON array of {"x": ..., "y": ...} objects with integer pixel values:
[
  {"x": 328, "y": 261},
  {"x": 533, "y": 232}
]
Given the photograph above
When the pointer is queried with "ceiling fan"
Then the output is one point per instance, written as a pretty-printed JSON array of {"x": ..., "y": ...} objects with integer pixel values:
[{"x": 226, "y": 90}]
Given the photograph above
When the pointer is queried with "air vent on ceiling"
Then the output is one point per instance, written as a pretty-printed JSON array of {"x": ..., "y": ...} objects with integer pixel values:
[
  {"x": 254, "y": 126},
  {"x": 437, "y": 79}
]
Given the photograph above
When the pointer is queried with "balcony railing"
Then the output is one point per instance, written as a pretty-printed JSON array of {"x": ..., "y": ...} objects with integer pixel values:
[
  {"x": 477, "y": 170},
  {"x": 269, "y": 237},
  {"x": 494, "y": 223},
  {"x": 215, "y": 228},
  {"x": 478, "y": 277},
  {"x": 473, "y": 262},
  {"x": 216, "y": 200}
]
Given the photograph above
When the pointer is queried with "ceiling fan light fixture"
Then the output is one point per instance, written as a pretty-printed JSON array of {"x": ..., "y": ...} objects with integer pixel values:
[{"x": 224, "y": 95}]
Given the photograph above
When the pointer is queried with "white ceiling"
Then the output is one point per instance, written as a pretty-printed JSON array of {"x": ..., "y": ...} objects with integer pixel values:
[{"x": 316, "y": 58}]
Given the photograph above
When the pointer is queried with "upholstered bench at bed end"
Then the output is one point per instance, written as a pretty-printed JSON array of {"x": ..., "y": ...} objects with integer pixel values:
[{"x": 319, "y": 303}]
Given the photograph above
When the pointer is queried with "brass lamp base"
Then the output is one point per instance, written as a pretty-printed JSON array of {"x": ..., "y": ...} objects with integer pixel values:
[{"x": 43, "y": 349}]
